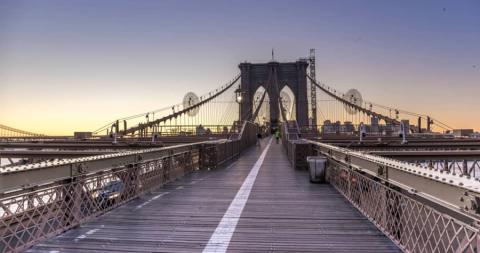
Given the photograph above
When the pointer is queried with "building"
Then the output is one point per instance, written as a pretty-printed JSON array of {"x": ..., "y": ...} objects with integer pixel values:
[{"x": 462, "y": 132}]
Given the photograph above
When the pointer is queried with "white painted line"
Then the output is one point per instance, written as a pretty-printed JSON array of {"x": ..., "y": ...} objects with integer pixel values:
[
  {"x": 92, "y": 231},
  {"x": 89, "y": 232},
  {"x": 150, "y": 200},
  {"x": 54, "y": 251},
  {"x": 179, "y": 188},
  {"x": 220, "y": 239}
]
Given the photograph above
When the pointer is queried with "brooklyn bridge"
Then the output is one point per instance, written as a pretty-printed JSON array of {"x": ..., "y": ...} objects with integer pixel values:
[{"x": 273, "y": 160}]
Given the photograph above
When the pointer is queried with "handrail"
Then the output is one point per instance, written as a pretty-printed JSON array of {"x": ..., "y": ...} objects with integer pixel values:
[
  {"x": 457, "y": 193},
  {"x": 24, "y": 176}
]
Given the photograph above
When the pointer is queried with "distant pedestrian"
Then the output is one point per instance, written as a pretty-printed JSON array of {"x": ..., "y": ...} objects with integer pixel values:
[
  {"x": 277, "y": 135},
  {"x": 259, "y": 136}
]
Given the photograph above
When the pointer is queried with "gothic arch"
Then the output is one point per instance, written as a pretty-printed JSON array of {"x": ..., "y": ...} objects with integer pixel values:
[
  {"x": 279, "y": 75},
  {"x": 288, "y": 99},
  {"x": 264, "y": 112}
]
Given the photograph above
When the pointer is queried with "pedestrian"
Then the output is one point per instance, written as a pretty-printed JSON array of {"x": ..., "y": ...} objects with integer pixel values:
[
  {"x": 277, "y": 135},
  {"x": 259, "y": 136}
]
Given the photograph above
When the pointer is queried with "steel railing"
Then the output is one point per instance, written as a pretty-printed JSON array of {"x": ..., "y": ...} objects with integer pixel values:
[
  {"x": 419, "y": 208},
  {"x": 45, "y": 208},
  {"x": 411, "y": 224}
]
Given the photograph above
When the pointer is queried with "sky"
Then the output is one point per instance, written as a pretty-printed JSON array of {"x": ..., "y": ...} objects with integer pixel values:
[{"x": 76, "y": 65}]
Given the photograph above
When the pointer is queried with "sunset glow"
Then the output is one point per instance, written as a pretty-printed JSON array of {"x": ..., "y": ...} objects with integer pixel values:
[{"x": 76, "y": 65}]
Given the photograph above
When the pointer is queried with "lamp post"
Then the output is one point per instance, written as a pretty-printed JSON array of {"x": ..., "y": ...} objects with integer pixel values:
[{"x": 239, "y": 95}]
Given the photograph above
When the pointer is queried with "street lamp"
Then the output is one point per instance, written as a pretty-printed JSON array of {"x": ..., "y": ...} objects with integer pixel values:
[
  {"x": 239, "y": 95},
  {"x": 239, "y": 98}
]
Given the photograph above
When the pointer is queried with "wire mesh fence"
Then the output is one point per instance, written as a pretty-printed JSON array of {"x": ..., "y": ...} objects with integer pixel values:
[
  {"x": 36, "y": 213},
  {"x": 412, "y": 225}
]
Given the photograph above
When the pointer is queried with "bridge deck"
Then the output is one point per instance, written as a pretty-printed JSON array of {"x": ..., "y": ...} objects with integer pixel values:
[{"x": 284, "y": 212}]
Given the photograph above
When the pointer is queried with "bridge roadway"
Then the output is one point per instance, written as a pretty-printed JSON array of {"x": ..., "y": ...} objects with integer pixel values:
[{"x": 284, "y": 212}]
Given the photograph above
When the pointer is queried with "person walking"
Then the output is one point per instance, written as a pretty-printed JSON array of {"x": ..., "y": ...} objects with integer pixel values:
[
  {"x": 277, "y": 135},
  {"x": 259, "y": 136}
]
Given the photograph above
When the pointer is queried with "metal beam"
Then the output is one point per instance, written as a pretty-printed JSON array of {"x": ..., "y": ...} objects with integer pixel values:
[
  {"x": 48, "y": 154},
  {"x": 456, "y": 192},
  {"x": 34, "y": 175},
  {"x": 45, "y": 172},
  {"x": 78, "y": 145},
  {"x": 407, "y": 155},
  {"x": 381, "y": 143}
]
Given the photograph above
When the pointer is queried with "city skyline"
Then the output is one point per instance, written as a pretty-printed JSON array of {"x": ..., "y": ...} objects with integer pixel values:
[{"x": 76, "y": 66}]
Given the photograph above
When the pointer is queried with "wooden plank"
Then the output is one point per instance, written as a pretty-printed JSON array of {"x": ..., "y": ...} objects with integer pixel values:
[
  {"x": 287, "y": 213},
  {"x": 284, "y": 213}
]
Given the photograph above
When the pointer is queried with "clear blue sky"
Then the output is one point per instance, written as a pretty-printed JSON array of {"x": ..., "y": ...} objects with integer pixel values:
[{"x": 75, "y": 65}]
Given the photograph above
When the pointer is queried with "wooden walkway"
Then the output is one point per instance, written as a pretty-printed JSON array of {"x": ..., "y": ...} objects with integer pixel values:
[{"x": 284, "y": 212}]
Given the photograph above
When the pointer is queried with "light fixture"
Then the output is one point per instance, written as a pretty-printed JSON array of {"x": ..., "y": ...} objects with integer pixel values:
[{"x": 239, "y": 97}]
